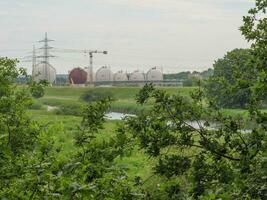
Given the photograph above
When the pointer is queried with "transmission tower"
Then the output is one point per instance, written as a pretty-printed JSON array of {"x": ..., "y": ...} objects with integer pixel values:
[{"x": 46, "y": 48}]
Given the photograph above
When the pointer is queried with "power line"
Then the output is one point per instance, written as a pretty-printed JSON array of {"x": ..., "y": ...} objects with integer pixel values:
[{"x": 46, "y": 56}]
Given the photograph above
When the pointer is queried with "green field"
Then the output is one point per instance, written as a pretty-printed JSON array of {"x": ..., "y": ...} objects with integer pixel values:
[
  {"x": 124, "y": 97},
  {"x": 136, "y": 163}
]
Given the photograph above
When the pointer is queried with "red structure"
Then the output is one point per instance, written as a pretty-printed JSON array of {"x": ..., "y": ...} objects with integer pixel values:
[{"x": 78, "y": 76}]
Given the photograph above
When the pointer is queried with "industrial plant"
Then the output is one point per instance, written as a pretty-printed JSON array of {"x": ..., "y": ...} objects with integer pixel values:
[
  {"x": 82, "y": 76},
  {"x": 105, "y": 76}
]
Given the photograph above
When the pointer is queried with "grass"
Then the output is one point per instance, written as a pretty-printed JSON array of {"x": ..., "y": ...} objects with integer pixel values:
[
  {"x": 63, "y": 128},
  {"x": 118, "y": 92},
  {"x": 124, "y": 97}
]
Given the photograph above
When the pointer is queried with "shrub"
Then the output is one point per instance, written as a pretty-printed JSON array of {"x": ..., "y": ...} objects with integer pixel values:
[
  {"x": 69, "y": 109},
  {"x": 94, "y": 95},
  {"x": 36, "y": 106}
]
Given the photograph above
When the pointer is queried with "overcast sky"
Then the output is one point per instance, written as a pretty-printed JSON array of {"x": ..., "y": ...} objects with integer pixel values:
[{"x": 176, "y": 35}]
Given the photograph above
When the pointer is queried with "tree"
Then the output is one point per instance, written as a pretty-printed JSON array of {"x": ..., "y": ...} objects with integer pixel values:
[
  {"x": 207, "y": 73},
  {"x": 205, "y": 162},
  {"x": 233, "y": 75},
  {"x": 92, "y": 172},
  {"x": 19, "y": 134},
  {"x": 37, "y": 88},
  {"x": 16, "y": 130},
  {"x": 254, "y": 30},
  {"x": 199, "y": 159},
  {"x": 179, "y": 76},
  {"x": 30, "y": 164}
]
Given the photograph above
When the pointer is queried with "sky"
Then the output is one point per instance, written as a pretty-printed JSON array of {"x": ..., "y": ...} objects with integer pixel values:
[{"x": 176, "y": 35}]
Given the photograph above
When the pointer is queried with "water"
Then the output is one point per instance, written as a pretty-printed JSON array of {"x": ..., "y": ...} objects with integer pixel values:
[
  {"x": 117, "y": 116},
  {"x": 51, "y": 108},
  {"x": 194, "y": 124}
]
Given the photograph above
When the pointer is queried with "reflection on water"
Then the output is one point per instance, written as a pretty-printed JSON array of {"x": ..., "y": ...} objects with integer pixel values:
[
  {"x": 117, "y": 116},
  {"x": 193, "y": 124}
]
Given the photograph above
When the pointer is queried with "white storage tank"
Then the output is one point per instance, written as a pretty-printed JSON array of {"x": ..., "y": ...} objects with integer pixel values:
[
  {"x": 154, "y": 74},
  {"x": 120, "y": 76},
  {"x": 137, "y": 76},
  {"x": 45, "y": 71},
  {"x": 104, "y": 74}
]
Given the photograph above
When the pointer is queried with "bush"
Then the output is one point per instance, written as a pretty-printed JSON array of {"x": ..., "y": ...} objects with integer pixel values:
[
  {"x": 71, "y": 109},
  {"x": 94, "y": 95},
  {"x": 36, "y": 106}
]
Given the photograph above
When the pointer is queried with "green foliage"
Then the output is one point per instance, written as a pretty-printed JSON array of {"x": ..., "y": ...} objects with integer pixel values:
[
  {"x": 189, "y": 162},
  {"x": 219, "y": 161},
  {"x": 124, "y": 97},
  {"x": 188, "y": 83},
  {"x": 16, "y": 128},
  {"x": 38, "y": 88},
  {"x": 233, "y": 75},
  {"x": 69, "y": 109},
  {"x": 179, "y": 76},
  {"x": 254, "y": 31},
  {"x": 93, "y": 169},
  {"x": 30, "y": 164},
  {"x": 207, "y": 73},
  {"x": 95, "y": 95},
  {"x": 19, "y": 135},
  {"x": 172, "y": 165},
  {"x": 36, "y": 106}
]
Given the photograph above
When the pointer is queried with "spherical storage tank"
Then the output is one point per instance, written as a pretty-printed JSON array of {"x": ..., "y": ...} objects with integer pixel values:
[
  {"x": 154, "y": 74},
  {"x": 45, "y": 71},
  {"x": 104, "y": 74},
  {"x": 120, "y": 76},
  {"x": 136, "y": 76},
  {"x": 78, "y": 76}
]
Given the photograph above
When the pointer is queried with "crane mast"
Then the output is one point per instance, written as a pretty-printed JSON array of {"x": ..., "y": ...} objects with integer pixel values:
[
  {"x": 90, "y": 53},
  {"x": 90, "y": 69}
]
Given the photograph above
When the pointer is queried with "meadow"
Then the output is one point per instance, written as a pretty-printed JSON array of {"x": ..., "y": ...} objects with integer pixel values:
[
  {"x": 65, "y": 124},
  {"x": 124, "y": 99}
]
